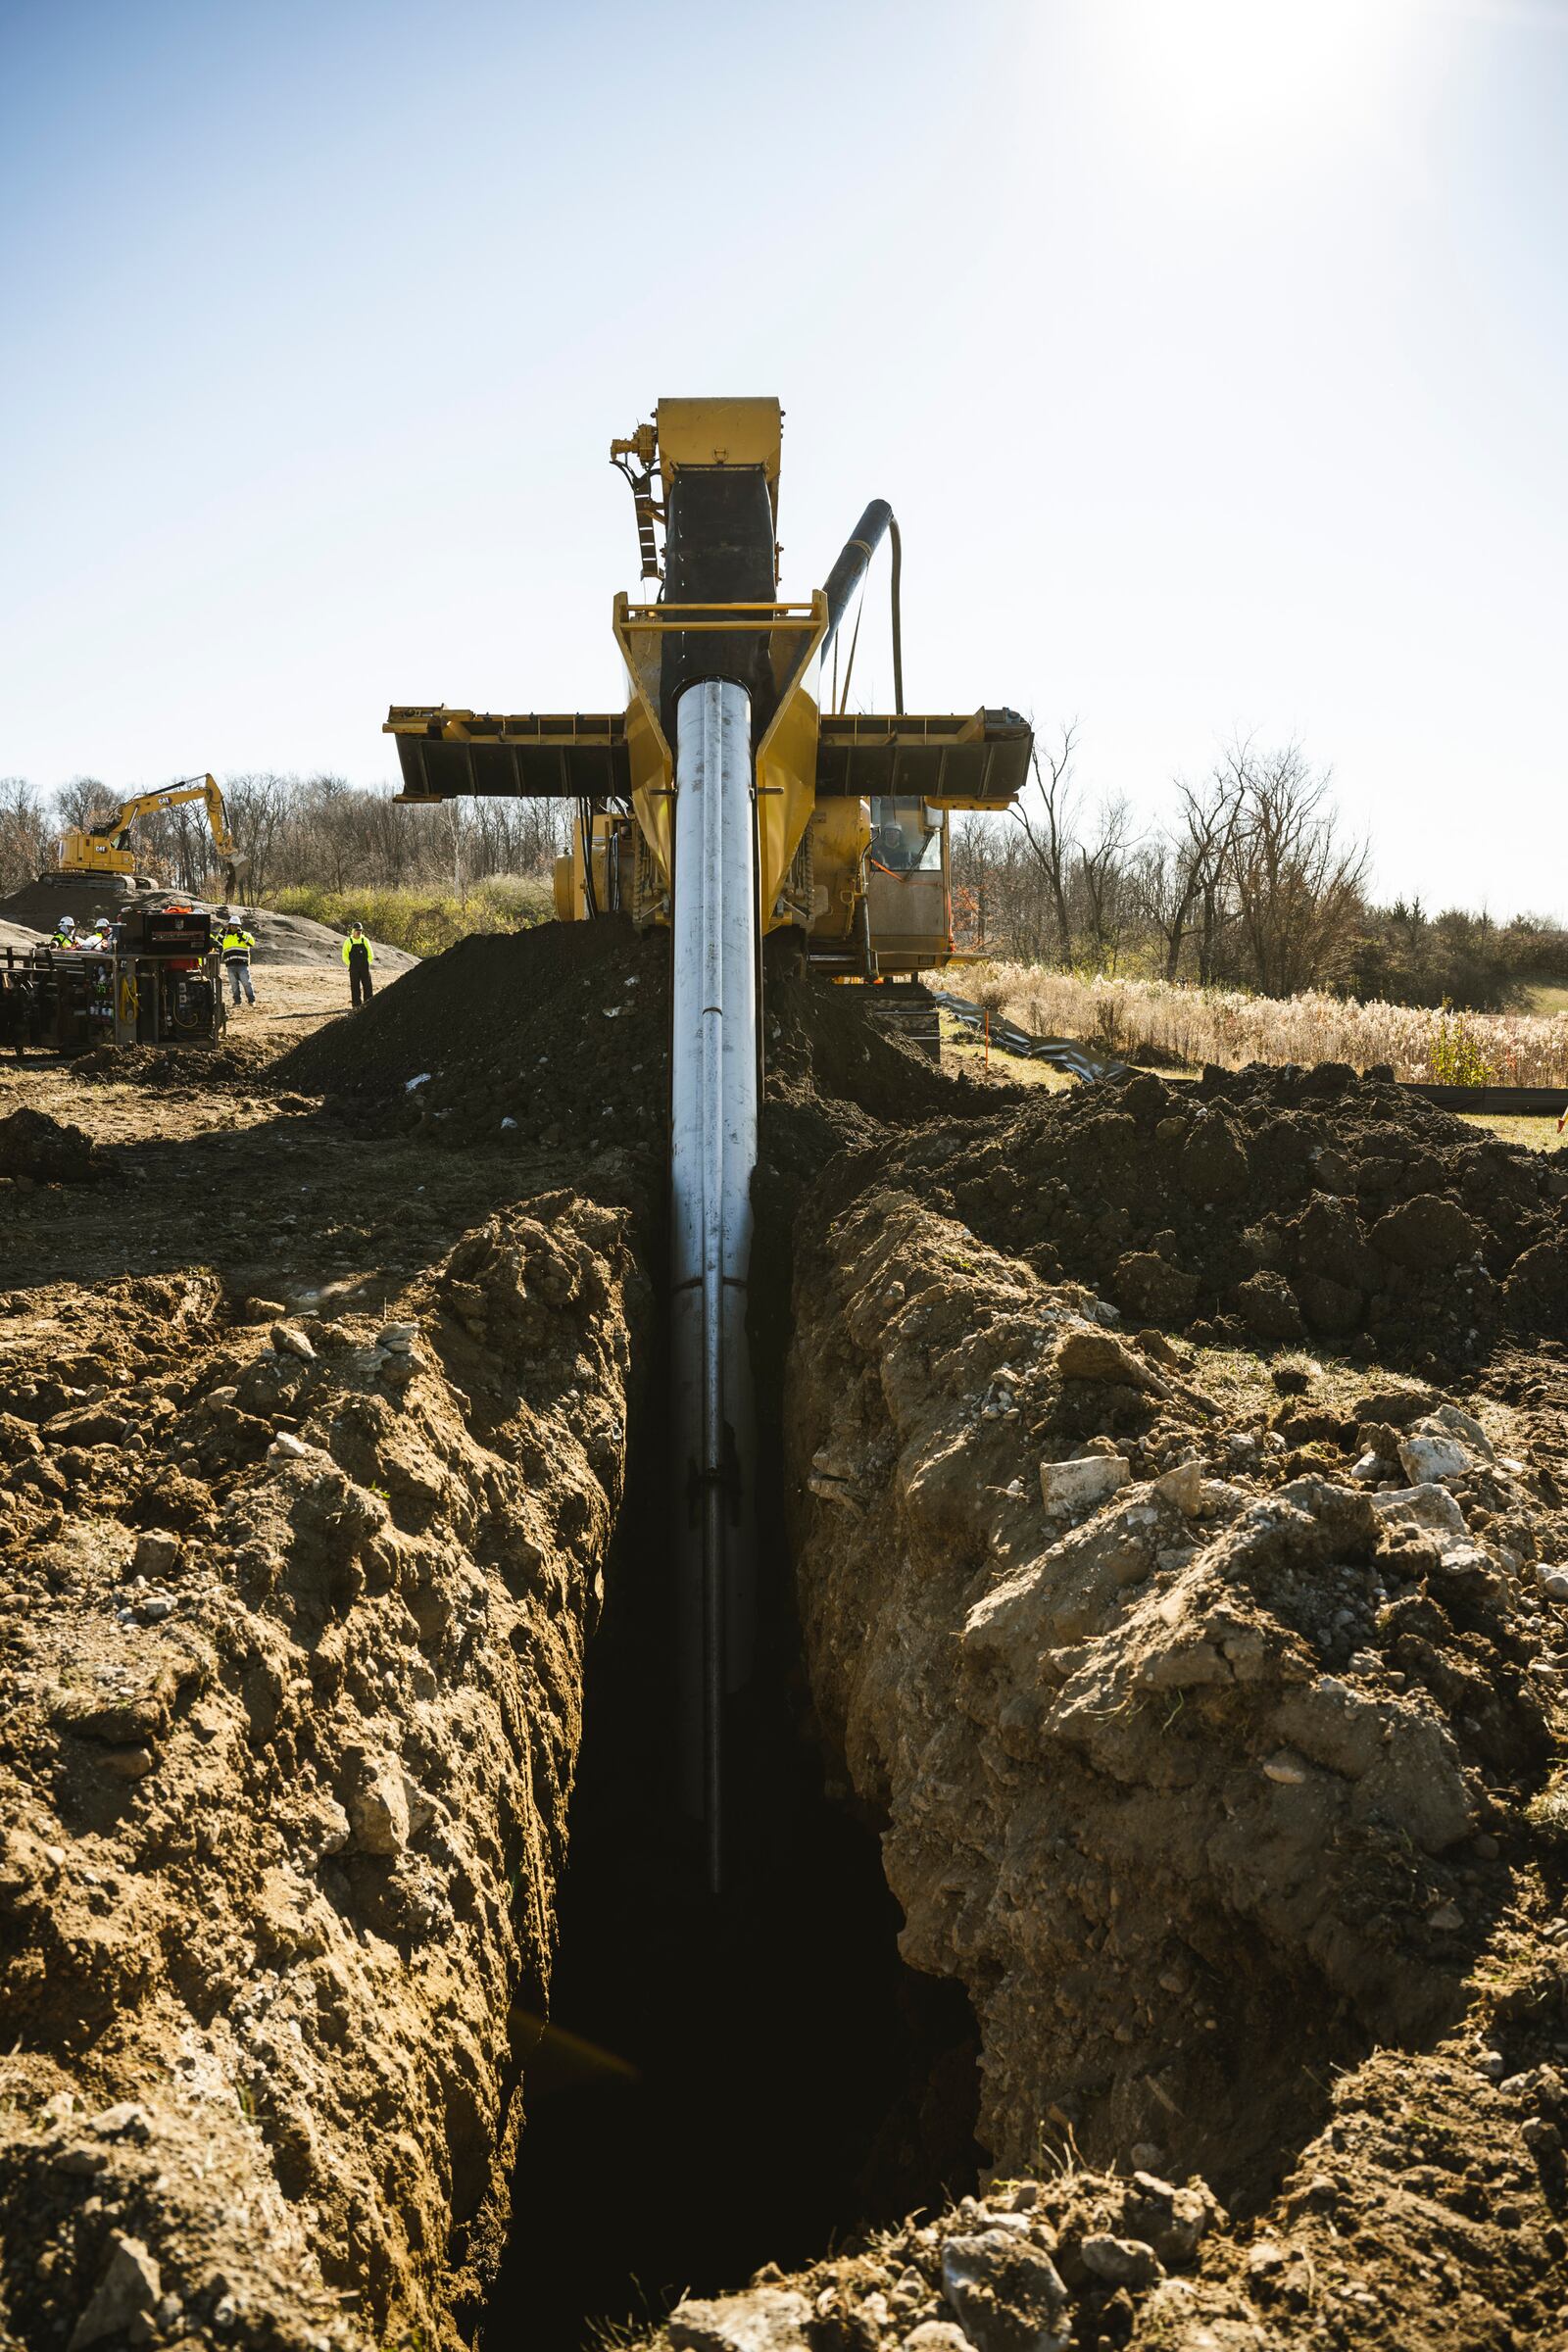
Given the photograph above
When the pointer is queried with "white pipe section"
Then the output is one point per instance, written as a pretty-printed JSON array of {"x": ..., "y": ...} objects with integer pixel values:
[{"x": 713, "y": 1113}]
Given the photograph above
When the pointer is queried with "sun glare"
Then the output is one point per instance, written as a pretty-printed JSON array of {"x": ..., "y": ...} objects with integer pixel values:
[{"x": 1239, "y": 74}]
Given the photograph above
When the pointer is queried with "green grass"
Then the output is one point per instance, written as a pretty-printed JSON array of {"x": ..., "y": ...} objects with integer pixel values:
[
  {"x": 1549, "y": 996},
  {"x": 425, "y": 921},
  {"x": 1538, "y": 1135}
]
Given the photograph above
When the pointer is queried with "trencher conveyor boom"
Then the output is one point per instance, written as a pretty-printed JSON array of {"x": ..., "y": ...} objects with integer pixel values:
[{"x": 724, "y": 802}]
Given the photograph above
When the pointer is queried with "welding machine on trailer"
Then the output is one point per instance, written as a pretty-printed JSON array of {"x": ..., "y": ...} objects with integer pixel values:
[{"x": 157, "y": 984}]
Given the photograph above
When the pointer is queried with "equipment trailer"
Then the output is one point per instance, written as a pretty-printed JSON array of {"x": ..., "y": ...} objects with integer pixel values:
[{"x": 159, "y": 984}]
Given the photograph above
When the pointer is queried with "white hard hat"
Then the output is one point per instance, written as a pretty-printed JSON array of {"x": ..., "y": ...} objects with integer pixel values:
[{"x": 67, "y": 922}]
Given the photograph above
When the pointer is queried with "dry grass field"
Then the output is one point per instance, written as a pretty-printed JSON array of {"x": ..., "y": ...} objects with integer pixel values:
[{"x": 1423, "y": 1046}]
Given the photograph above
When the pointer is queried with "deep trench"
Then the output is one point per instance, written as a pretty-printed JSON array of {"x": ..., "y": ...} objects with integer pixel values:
[{"x": 726, "y": 2081}]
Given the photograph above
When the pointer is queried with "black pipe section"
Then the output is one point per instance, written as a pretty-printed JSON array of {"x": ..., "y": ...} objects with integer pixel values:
[{"x": 851, "y": 569}]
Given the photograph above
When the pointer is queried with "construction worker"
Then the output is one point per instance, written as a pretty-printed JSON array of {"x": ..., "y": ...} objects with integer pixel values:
[
  {"x": 359, "y": 956},
  {"x": 65, "y": 932},
  {"x": 235, "y": 950}
]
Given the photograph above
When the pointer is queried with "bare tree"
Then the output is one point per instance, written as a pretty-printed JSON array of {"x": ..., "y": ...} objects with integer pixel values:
[
  {"x": 86, "y": 801},
  {"x": 1047, "y": 828},
  {"x": 1102, "y": 881},
  {"x": 1184, "y": 887},
  {"x": 1297, "y": 881},
  {"x": 26, "y": 833}
]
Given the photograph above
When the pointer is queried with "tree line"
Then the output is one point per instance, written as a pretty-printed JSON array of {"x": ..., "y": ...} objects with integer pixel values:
[
  {"x": 1251, "y": 882},
  {"x": 294, "y": 831}
]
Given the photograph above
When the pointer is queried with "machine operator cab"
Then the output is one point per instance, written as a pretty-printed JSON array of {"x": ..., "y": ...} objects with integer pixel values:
[{"x": 906, "y": 878}]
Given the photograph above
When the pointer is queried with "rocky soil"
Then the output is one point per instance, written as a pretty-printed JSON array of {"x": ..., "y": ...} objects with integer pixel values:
[
  {"x": 1174, "y": 1481},
  {"x": 308, "y": 1464},
  {"x": 1178, "y": 1533}
]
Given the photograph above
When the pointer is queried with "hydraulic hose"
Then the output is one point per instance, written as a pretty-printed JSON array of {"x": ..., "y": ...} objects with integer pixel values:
[{"x": 877, "y": 522}]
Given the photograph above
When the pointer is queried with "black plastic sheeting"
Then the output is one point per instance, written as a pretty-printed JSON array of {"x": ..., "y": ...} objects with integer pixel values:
[{"x": 1066, "y": 1052}]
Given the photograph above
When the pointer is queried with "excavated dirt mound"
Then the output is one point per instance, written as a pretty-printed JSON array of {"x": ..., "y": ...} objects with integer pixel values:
[
  {"x": 525, "y": 1036},
  {"x": 1206, "y": 1683},
  {"x": 238, "y": 1063},
  {"x": 297, "y": 939},
  {"x": 564, "y": 1028},
  {"x": 1271, "y": 1206},
  {"x": 36, "y": 909},
  {"x": 47, "y": 1151},
  {"x": 290, "y": 1683}
]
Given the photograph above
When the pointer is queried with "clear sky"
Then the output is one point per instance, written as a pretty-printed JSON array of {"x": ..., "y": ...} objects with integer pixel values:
[{"x": 1215, "y": 354}]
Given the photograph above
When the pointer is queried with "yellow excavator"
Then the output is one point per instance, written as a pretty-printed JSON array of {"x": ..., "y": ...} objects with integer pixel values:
[
  {"x": 734, "y": 796},
  {"x": 88, "y": 851}
]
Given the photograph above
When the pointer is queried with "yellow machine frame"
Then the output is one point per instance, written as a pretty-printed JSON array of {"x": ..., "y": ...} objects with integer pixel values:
[{"x": 813, "y": 811}]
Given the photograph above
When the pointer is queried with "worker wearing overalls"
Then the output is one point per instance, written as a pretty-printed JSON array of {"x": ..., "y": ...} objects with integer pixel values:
[
  {"x": 236, "y": 954},
  {"x": 359, "y": 956}
]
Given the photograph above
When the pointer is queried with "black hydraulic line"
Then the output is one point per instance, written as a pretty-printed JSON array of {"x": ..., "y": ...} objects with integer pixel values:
[
  {"x": 849, "y": 666},
  {"x": 878, "y": 522},
  {"x": 851, "y": 568},
  {"x": 898, "y": 618}
]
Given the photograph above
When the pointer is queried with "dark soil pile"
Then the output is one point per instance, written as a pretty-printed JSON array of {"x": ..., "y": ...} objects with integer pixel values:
[
  {"x": 47, "y": 1151},
  {"x": 565, "y": 1029},
  {"x": 836, "y": 1079},
  {"x": 235, "y": 1066},
  {"x": 1272, "y": 1206},
  {"x": 564, "y": 1026}
]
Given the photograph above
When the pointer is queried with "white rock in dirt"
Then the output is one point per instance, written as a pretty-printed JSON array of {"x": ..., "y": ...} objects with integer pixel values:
[
  {"x": 1288, "y": 1770},
  {"x": 1554, "y": 1581},
  {"x": 329, "y": 1827},
  {"x": 1452, "y": 1421},
  {"x": 157, "y": 1551},
  {"x": 1183, "y": 1487},
  {"x": 411, "y": 1085},
  {"x": 398, "y": 1337},
  {"x": 126, "y": 2291},
  {"x": 1435, "y": 1457},
  {"x": 379, "y": 1811},
  {"x": 1006, "y": 2293},
  {"x": 1077, "y": 1486},
  {"x": 287, "y": 1447},
  {"x": 936, "y": 2335},
  {"x": 289, "y": 1339},
  {"x": 765, "y": 2318},
  {"x": 1429, "y": 1505},
  {"x": 1121, "y": 2261}
]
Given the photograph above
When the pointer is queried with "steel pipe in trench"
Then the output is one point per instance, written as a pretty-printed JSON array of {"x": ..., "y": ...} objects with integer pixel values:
[{"x": 714, "y": 1125}]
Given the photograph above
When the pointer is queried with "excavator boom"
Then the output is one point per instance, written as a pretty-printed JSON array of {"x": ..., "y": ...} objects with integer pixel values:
[{"x": 106, "y": 849}]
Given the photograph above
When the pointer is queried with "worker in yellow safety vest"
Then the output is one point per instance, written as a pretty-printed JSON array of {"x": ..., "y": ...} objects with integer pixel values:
[
  {"x": 236, "y": 951},
  {"x": 359, "y": 956}
]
